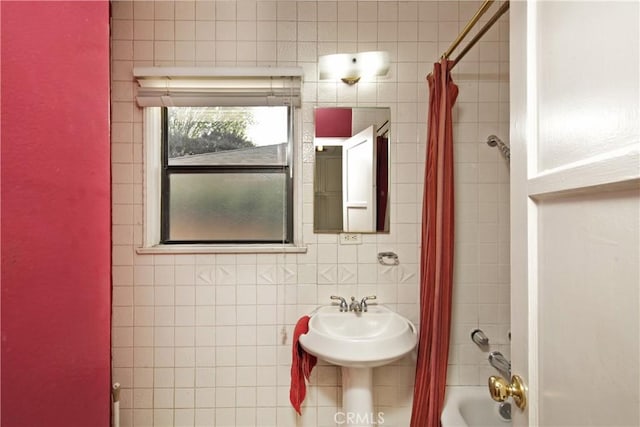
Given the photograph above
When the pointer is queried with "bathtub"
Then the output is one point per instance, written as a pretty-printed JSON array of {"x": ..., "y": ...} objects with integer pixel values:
[{"x": 471, "y": 406}]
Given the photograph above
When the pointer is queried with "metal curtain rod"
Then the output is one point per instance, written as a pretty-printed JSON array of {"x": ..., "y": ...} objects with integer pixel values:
[
  {"x": 481, "y": 11},
  {"x": 483, "y": 30}
]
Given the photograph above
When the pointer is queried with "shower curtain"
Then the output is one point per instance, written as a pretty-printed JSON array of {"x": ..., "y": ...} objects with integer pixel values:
[{"x": 436, "y": 258}]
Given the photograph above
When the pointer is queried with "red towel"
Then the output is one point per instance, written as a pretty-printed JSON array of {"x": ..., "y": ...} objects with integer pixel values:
[{"x": 301, "y": 365}]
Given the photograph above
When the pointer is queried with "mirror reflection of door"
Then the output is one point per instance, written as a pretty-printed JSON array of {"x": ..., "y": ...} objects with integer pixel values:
[
  {"x": 351, "y": 184},
  {"x": 359, "y": 183}
]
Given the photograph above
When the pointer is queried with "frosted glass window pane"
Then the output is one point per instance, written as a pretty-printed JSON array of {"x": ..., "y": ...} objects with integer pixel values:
[
  {"x": 227, "y": 207},
  {"x": 227, "y": 135}
]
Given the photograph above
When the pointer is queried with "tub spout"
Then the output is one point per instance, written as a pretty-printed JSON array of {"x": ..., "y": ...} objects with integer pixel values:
[{"x": 498, "y": 361}]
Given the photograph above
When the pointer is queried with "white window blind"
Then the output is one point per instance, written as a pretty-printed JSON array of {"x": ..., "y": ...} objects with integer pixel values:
[{"x": 199, "y": 87}]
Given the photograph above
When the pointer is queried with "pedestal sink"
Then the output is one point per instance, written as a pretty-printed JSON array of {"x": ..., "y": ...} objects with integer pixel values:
[{"x": 358, "y": 342}]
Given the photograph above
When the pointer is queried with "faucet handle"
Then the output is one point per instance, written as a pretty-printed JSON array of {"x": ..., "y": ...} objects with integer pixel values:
[
  {"x": 363, "y": 303},
  {"x": 343, "y": 302}
]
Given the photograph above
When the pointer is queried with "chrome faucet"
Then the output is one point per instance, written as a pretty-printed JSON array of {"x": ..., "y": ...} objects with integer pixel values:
[
  {"x": 355, "y": 305},
  {"x": 363, "y": 303},
  {"x": 498, "y": 361},
  {"x": 343, "y": 302}
]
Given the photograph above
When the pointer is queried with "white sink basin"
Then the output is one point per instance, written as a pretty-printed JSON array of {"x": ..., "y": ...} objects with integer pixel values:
[{"x": 360, "y": 340}]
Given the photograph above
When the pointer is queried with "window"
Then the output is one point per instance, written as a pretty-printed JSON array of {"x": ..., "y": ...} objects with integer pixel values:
[
  {"x": 226, "y": 175},
  {"x": 219, "y": 163}
]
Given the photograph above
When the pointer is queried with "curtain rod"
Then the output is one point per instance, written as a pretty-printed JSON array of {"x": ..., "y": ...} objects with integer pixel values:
[
  {"x": 481, "y": 11},
  {"x": 481, "y": 32}
]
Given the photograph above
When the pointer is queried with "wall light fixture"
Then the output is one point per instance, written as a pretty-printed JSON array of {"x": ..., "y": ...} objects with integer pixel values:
[{"x": 351, "y": 67}]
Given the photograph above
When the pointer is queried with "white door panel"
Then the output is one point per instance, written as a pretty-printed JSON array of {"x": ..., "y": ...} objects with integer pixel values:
[
  {"x": 587, "y": 82},
  {"x": 359, "y": 182},
  {"x": 575, "y": 211},
  {"x": 588, "y": 305}
]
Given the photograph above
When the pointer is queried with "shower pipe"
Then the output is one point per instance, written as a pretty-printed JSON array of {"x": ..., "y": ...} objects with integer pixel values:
[{"x": 494, "y": 141}]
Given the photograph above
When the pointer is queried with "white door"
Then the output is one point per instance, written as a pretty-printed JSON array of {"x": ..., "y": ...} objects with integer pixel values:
[
  {"x": 359, "y": 182},
  {"x": 575, "y": 201}
]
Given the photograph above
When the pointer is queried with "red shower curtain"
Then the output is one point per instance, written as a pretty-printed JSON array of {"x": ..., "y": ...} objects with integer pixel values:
[{"x": 436, "y": 259}]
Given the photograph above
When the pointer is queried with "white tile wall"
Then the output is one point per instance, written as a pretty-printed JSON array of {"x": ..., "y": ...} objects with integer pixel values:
[{"x": 203, "y": 340}]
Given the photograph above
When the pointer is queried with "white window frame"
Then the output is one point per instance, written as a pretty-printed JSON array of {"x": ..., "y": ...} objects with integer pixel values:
[{"x": 151, "y": 100}]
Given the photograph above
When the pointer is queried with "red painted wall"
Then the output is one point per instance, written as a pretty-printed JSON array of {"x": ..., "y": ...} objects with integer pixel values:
[
  {"x": 55, "y": 213},
  {"x": 333, "y": 122}
]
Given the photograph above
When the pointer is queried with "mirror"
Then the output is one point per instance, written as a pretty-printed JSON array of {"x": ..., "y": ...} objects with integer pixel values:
[{"x": 351, "y": 179}]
